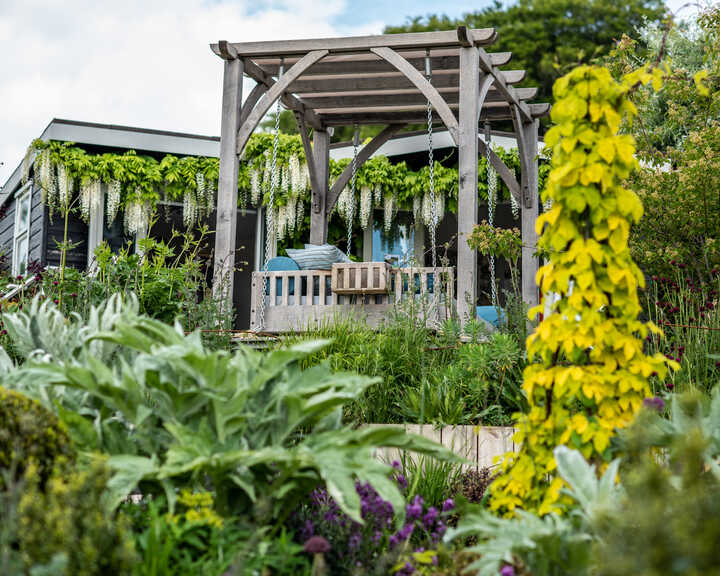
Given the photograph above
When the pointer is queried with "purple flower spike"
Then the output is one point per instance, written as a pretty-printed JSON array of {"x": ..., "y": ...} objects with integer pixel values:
[
  {"x": 396, "y": 464},
  {"x": 507, "y": 570},
  {"x": 401, "y": 481},
  {"x": 655, "y": 403},
  {"x": 448, "y": 505},
  {"x": 430, "y": 517},
  {"x": 415, "y": 509}
]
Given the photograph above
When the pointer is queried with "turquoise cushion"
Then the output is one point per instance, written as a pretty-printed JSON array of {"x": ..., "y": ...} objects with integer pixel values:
[
  {"x": 281, "y": 263},
  {"x": 490, "y": 314}
]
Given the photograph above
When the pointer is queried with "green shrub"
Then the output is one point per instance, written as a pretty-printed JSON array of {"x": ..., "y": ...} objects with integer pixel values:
[
  {"x": 68, "y": 520},
  {"x": 29, "y": 433}
]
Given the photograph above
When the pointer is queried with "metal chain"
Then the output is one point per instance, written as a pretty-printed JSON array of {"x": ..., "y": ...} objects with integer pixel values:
[
  {"x": 431, "y": 163},
  {"x": 351, "y": 206},
  {"x": 270, "y": 218},
  {"x": 492, "y": 196}
]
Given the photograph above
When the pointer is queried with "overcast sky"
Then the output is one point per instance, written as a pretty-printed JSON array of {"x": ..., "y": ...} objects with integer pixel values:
[{"x": 147, "y": 63}]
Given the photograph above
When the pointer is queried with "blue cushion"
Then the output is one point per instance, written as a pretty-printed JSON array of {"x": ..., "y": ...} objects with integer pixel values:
[
  {"x": 281, "y": 263},
  {"x": 490, "y": 314},
  {"x": 317, "y": 257}
]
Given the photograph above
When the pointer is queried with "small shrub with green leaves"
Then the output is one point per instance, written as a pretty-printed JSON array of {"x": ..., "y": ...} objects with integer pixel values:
[
  {"x": 254, "y": 427},
  {"x": 68, "y": 523},
  {"x": 29, "y": 433}
]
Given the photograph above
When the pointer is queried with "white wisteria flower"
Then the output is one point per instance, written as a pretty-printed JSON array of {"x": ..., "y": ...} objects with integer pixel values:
[{"x": 113, "y": 201}]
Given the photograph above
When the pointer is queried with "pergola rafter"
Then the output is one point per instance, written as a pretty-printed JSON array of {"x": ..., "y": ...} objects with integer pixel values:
[{"x": 381, "y": 80}]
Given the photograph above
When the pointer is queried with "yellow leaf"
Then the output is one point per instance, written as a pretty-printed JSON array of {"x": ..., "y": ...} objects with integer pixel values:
[
  {"x": 606, "y": 149},
  {"x": 699, "y": 79},
  {"x": 591, "y": 174}
]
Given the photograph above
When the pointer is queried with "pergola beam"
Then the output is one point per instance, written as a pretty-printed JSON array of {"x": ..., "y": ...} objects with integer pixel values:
[
  {"x": 441, "y": 39},
  {"x": 275, "y": 91},
  {"x": 352, "y": 81},
  {"x": 403, "y": 97},
  {"x": 287, "y": 99},
  {"x": 416, "y": 116},
  {"x": 424, "y": 86},
  {"x": 508, "y": 91},
  {"x": 370, "y": 63}
]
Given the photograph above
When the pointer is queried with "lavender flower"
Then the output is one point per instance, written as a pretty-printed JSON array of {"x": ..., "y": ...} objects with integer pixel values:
[
  {"x": 448, "y": 505},
  {"x": 507, "y": 570},
  {"x": 430, "y": 517},
  {"x": 415, "y": 509}
]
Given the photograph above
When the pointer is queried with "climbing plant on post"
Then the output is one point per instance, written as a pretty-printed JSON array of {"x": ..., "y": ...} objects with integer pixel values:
[{"x": 588, "y": 373}]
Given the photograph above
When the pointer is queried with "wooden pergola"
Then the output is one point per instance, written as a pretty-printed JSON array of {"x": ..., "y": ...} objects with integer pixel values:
[{"x": 381, "y": 80}]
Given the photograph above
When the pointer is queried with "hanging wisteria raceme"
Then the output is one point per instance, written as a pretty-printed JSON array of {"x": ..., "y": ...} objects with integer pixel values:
[
  {"x": 137, "y": 215},
  {"x": 201, "y": 200},
  {"x": 113, "y": 201},
  {"x": 388, "y": 211},
  {"x": 427, "y": 209},
  {"x": 64, "y": 186},
  {"x": 26, "y": 163},
  {"x": 299, "y": 213},
  {"x": 346, "y": 205},
  {"x": 255, "y": 186},
  {"x": 366, "y": 205},
  {"x": 515, "y": 207},
  {"x": 378, "y": 194},
  {"x": 190, "y": 208},
  {"x": 282, "y": 222},
  {"x": 296, "y": 175},
  {"x": 90, "y": 198},
  {"x": 46, "y": 174}
]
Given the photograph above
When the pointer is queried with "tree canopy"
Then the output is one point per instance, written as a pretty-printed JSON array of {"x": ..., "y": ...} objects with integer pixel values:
[{"x": 548, "y": 37}]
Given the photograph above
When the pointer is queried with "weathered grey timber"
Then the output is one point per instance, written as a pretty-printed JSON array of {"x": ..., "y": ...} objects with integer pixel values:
[
  {"x": 225, "y": 228},
  {"x": 353, "y": 82},
  {"x": 381, "y": 80},
  {"x": 445, "y": 38},
  {"x": 318, "y": 212},
  {"x": 468, "y": 181}
]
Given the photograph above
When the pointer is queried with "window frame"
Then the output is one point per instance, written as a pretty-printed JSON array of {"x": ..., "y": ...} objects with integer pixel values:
[{"x": 18, "y": 235}]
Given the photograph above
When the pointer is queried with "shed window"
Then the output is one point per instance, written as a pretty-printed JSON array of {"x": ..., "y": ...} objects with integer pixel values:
[{"x": 22, "y": 231}]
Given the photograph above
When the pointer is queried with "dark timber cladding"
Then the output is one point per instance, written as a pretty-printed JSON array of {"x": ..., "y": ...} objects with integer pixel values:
[{"x": 382, "y": 80}]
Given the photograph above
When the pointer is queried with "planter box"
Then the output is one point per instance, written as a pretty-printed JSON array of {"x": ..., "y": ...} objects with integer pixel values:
[
  {"x": 480, "y": 445},
  {"x": 361, "y": 278}
]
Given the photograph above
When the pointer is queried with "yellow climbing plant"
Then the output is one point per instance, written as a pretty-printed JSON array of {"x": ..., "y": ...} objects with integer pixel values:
[{"x": 588, "y": 373}]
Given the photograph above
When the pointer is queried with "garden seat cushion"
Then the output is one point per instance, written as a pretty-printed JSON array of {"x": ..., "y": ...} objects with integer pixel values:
[
  {"x": 490, "y": 315},
  {"x": 281, "y": 264},
  {"x": 314, "y": 257}
]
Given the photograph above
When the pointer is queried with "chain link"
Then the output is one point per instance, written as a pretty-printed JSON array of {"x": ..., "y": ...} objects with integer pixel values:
[
  {"x": 351, "y": 207},
  {"x": 492, "y": 197},
  {"x": 270, "y": 216}
]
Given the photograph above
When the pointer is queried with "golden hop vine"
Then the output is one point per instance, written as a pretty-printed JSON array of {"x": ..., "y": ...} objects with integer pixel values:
[{"x": 589, "y": 374}]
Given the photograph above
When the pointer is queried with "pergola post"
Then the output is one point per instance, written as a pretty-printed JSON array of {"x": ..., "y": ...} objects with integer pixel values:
[
  {"x": 318, "y": 207},
  {"x": 468, "y": 181},
  {"x": 226, "y": 219},
  {"x": 527, "y": 146}
]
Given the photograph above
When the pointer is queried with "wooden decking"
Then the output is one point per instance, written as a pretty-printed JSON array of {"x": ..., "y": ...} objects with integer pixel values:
[{"x": 300, "y": 300}]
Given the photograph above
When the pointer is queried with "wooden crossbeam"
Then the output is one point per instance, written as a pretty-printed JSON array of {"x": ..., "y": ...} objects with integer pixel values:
[
  {"x": 421, "y": 40},
  {"x": 423, "y": 85},
  {"x": 402, "y": 97},
  {"x": 369, "y": 63},
  {"x": 288, "y": 100},
  {"x": 351, "y": 82},
  {"x": 345, "y": 118},
  {"x": 507, "y": 91},
  {"x": 275, "y": 91}
]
